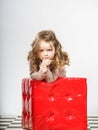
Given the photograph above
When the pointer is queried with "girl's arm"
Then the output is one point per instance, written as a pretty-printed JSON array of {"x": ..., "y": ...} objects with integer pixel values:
[
  {"x": 39, "y": 75},
  {"x": 52, "y": 76}
]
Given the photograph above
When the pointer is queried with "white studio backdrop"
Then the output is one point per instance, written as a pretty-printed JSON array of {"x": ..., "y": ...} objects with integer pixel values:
[{"x": 75, "y": 23}]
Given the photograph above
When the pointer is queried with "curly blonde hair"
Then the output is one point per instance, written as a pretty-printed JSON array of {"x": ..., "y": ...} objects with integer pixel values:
[{"x": 60, "y": 58}]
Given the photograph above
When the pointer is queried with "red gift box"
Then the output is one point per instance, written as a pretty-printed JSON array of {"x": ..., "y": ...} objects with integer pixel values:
[{"x": 60, "y": 105}]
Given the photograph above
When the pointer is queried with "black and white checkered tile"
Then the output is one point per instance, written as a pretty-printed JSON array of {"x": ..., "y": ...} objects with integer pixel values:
[
  {"x": 10, "y": 123},
  {"x": 93, "y": 122},
  {"x": 14, "y": 123}
]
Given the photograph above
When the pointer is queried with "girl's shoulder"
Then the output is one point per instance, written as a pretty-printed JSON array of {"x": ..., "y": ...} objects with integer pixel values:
[{"x": 60, "y": 68}]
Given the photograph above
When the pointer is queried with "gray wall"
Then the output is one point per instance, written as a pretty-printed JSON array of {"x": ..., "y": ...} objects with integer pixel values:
[{"x": 75, "y": 23}]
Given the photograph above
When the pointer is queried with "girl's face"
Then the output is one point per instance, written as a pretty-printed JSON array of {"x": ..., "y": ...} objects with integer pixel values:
[{"x": 46, "y": 50}]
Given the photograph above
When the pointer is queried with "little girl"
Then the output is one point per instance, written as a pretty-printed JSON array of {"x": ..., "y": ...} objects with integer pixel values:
[{"x": 47, "y": 60}]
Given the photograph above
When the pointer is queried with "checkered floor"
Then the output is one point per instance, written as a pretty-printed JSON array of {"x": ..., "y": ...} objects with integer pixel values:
[{"x": 14, "y": 123}]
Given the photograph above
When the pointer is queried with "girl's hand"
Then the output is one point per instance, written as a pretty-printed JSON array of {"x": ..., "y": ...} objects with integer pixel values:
[
  {"x": 46, "y": 62},
  {"x": 44, "y": 65},
  {"x": 43, "y": 68}
]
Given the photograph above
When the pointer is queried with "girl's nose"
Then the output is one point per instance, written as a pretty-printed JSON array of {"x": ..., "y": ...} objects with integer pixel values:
[{"x": 45, "y": 53}]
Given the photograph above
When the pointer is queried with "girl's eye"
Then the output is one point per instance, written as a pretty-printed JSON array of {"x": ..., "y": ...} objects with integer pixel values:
[
  {"x": 49, "y": 49},
  {"x": 41, "y": 50}
]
